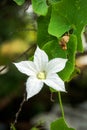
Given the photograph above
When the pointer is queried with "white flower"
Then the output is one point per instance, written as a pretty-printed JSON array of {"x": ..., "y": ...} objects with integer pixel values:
[{"x": 41, "y": 71}]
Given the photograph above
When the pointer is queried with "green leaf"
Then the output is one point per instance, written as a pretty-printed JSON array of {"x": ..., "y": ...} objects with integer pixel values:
[
  {"x": 42, "y": 32},
  {"x": 52, "y": 1},
  {"x": 19, "y": 2},
  {"x": 66, "y": 15},
  {"x": 70, "y": 65},
  {"x": 53, "y": 49},
  {"x": 60, "y": 124},
  {"x": 40, "y": 7}
]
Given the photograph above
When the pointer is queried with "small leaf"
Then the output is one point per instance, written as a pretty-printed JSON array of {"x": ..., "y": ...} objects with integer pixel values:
[
  {"x": 40, "y": 7},
  {"x": 19, "y": 2},
  {"x": 60, "y": 124}
]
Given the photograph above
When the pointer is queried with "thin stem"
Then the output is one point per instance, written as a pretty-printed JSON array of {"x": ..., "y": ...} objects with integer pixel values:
[
  {"x": 61, "y": 105},
  {"x": 17, "y": 114}
]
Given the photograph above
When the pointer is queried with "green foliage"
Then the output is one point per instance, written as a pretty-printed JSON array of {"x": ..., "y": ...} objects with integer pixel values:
[
  {"x": 52, "y": 1},
  {"x": 19, "y": 2},
  {"x": 71, "y": 51},
  {"x": 42, "y": 32},
  {"x": 64, "y": 16},
  {"x": 53, "y": 50},
  {"x": 60, "y": 124},
  {"x": 51, "y": 45},
  {"x": 68, "y": 15},
  {"x": 40, "y": 7}
]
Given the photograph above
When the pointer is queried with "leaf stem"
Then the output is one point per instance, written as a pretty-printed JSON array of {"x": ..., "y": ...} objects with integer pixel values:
[{"x": 61, "y": 105}]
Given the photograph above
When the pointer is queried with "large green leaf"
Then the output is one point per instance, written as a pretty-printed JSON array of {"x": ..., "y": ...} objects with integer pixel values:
[
  {"x": 54, "y": 50},
  {"x": 60, "y": 124},
  {"x": 66, "y": 15},
  {"x": 19, "y": 2},
  {"x": 40, "y": 7}
]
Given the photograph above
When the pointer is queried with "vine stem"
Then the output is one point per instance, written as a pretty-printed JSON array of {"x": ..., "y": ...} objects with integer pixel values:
[
  {"x": 61, "y": 105},
  {"x": 20, "y": 108}
]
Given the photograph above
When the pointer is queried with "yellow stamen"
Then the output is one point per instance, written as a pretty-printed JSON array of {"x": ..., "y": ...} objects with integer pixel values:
[{"x": 41, "y": 75}]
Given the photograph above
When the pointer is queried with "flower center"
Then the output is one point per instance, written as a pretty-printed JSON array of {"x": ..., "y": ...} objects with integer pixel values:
[{"x": 41, "y": 75}]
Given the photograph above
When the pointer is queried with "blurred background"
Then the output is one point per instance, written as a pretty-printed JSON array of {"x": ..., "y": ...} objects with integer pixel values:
[{"x": 18, "y": 35}]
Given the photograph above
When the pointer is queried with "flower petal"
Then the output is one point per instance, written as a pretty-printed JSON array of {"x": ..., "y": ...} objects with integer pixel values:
[
  {"x": 55, "y": 82},
  {"x": 26, "y": 67},
  {"x": 56, "y": 65},
  {"x": 33, "y": 86},
  {"x": 40, "y": 59}
]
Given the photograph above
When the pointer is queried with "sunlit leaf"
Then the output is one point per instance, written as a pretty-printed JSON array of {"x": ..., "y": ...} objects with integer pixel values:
[
  {"x": 53, "y": 1},
  {"x": 60, "y": 124},
  {"x": 40, "y": 7},
  {"x": 54, "y": 50},
  {"x": 66, "y": 15}
]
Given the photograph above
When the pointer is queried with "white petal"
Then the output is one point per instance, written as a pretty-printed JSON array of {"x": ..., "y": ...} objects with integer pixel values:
[
  {"x": 33, "y": 86},
  {"x": 55, "y": 82},
  {"x": 55, "y": 65},
  {"x": 26, "y": 67},
  {"x": 40, "y": 59}
]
